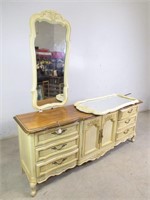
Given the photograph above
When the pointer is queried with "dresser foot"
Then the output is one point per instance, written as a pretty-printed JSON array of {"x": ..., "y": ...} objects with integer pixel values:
[
  {"x": 132, "y": 139},
  {"x": 33, "y": 189}
]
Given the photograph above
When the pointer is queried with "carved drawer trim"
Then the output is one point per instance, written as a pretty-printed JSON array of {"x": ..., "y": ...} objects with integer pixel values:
[
  {"x": 51, "y": 135},
  {"x": 127, "y": 112},
  {"x": 53, "y": 149},
  {"x": 46, "y": 167}
]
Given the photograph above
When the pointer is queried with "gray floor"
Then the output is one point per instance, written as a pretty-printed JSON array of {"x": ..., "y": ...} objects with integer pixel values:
[{"x": 122, "y": 174}]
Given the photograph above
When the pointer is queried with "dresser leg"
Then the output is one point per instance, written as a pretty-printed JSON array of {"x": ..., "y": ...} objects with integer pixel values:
[
  {"x": 132, "y": 139},
  {"x": 33, "y": 189}
]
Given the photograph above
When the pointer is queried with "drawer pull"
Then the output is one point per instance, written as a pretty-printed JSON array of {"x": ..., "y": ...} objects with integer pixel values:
[
  {"x": 59, "y": 147},
  {"x": 127, "y": 122},
  {"x": 130, "y": 111},
  {"x": 125, "y": 132},
  {"x": 59, "y": 162},
  {"x": 59, "y": 131}
]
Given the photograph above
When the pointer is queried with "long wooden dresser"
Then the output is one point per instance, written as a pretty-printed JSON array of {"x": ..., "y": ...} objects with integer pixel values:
[{"x": 55, "y": 140}]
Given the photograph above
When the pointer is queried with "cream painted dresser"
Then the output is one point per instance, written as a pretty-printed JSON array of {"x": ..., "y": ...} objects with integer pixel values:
[{"x": 55, "y": 140}]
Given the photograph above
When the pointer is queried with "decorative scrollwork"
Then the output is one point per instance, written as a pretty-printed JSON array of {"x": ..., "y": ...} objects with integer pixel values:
[
  {"x": 109, "y": 117},
  {"x": 91, "y": 123},
  {"x": 52, "y": 17}
]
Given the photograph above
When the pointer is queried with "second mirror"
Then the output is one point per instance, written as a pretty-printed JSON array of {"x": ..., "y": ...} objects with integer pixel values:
[{"x": 50, "y": 40}]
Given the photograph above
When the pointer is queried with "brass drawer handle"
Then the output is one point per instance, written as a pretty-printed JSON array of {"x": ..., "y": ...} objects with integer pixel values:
[
  {"x": 127, "y": 122},
  {"x": 59, "y": 131},
  {"x": 59, "y": 162},
  {"x": 59, "y": 147},
  {"x": 130, "y": 111},
  {"x": 125, "y": 132}
]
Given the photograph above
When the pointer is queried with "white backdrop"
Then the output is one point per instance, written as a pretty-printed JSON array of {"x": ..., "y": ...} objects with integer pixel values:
[{"x": 108, "y": 54}]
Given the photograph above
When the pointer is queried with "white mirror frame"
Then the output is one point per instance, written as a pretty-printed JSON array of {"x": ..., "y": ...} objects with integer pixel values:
[{"x": 51, "y": 17}]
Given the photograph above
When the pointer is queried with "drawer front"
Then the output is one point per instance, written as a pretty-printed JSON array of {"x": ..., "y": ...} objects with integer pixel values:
[
  {"x": 125, "y": 133},
  {"x": 46, "y": 168},
  {"x": 56, "y": 148},
  {"x": 126, "y": 122},
  {"x": 127, "y": 112},
  {"x": 55, "y": 133}
]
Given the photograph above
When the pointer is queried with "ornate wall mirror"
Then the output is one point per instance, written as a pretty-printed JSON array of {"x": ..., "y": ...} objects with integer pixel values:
[{"x": 49, "y": 41}]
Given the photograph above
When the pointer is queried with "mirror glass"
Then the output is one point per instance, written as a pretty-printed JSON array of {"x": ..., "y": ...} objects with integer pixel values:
[
  {"x": 50, "y": 34},
  {"x": 50, "y": 48},
  {"x": 106, "y": 104}
]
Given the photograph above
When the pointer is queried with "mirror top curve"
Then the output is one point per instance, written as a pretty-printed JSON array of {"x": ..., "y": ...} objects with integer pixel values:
[
  {"x": 51, "y": 16},
  {"x": 49, "y": 43}
]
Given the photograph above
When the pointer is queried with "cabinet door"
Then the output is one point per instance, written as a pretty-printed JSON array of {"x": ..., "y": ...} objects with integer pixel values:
[
  {"x": 108, "y": 130},
  {"x": 91, "y": 136}
]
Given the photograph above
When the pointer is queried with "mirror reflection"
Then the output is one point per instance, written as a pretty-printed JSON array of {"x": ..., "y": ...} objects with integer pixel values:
[{"x": 50, "y": 49}]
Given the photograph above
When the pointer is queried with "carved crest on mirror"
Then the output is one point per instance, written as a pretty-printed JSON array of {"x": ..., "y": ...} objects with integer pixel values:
[{"x": 49, "y": 42}]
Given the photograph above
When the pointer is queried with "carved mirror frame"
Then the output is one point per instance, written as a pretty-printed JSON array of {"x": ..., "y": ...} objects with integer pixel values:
[{"x": 51, "y": 17}]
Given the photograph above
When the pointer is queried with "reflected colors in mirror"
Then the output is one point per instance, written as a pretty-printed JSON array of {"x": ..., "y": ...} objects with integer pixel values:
[
  {"x": 50, "y": 34},
  {"x": 50, "y": 48}
]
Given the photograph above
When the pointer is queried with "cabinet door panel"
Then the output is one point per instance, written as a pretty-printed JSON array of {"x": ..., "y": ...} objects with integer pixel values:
[
  {"x": 109, "y": 123},
  {"x": 107, "y": 133},
  {"x": 91, "y": 135},
  {"x": 91, "y": 143}
]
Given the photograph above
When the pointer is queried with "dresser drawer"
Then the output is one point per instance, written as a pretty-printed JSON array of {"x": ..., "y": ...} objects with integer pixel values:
[
  {"x": 55, "y": 165},
  {"x": 126, "y": 122},
  {"x": 127, "y": 112},
  {"x": 54, "y": 134},
  {"x": 125, "y": 132},
  {"x": 53, "y": 149}
]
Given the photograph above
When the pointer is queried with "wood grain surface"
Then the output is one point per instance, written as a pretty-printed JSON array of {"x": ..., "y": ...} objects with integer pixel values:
[{"x": 38, "y": 121}]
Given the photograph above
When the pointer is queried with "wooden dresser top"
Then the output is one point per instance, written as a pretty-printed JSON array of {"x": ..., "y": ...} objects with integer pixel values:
[{"x": 38, "y": 121}]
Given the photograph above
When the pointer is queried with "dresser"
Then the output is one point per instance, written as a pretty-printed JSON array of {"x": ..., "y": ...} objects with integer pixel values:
[{"x": 59, "y": 139}]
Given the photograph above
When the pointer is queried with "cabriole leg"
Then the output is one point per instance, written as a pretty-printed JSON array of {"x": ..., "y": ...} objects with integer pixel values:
[{"x": 33, "y": 189}]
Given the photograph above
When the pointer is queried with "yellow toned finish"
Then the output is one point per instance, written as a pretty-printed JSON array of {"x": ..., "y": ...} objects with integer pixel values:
[
  {"x": 27, "y": 158},
  {"x": 90, "y": 134},
  {"x": 97, "y": 136},
  {"x": 51, "y": 17},
  {"x": 105, "y": 104},
  {"x": 49, "y": 150},
  {"x": 48, "y": 153},
  {"x": 126, "y": 124}
]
